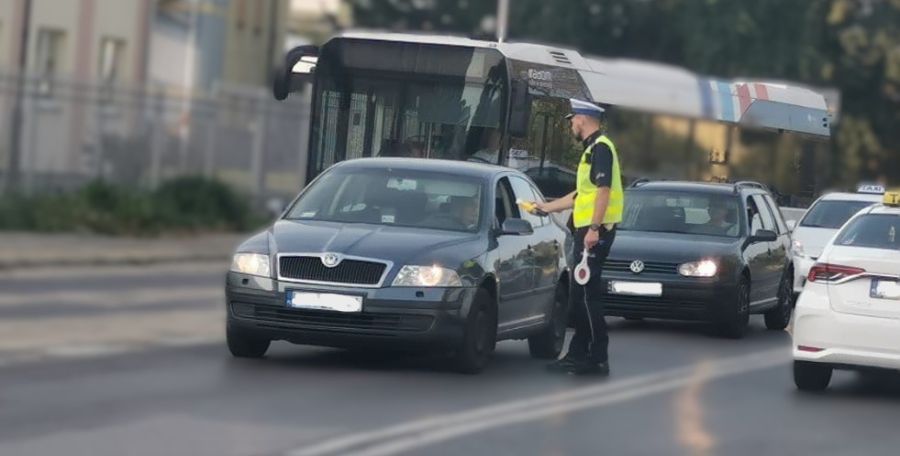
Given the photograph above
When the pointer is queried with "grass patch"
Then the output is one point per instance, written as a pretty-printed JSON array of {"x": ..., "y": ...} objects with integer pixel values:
[{"x": 187, "y": 204}]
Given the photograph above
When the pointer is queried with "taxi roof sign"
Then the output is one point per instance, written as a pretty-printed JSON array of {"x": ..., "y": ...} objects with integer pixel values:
[
  {"x": 892, "y": 198},
  {"x": 870, "y": 188}
]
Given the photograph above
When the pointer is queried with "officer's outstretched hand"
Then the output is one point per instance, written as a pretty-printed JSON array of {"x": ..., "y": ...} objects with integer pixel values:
[{"x": 542, "y": 208}]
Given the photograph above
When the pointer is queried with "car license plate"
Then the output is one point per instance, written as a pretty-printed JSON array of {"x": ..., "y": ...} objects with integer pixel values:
[
  {"x": 885, "y": 289},
  {"x": 324, "y": 301},
  {"x": 635, "y": 288}
]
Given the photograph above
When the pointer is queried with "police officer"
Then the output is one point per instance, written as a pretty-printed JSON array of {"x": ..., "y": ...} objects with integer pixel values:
[{"x": 597, "y": 204}]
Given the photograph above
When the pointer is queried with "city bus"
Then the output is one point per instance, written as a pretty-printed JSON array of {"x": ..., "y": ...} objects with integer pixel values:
[{"x": 387, "y": 94}]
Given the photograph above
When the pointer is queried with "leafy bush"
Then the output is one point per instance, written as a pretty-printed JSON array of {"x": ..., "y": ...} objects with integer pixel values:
[{"x": 182, "y": 204}]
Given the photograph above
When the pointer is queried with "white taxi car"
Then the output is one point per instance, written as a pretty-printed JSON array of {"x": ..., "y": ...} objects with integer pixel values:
[
  {"x": 848, "y": 316},
  {"x": 820, "y": 223}
]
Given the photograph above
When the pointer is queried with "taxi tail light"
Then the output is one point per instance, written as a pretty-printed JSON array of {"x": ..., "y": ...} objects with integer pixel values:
[{"x": 824, "y": 272}]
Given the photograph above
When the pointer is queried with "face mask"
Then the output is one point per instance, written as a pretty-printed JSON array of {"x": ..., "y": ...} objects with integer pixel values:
[{"x": 582, "y": 271}]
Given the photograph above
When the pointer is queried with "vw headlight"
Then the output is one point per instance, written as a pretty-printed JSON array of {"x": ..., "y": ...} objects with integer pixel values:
[
  {"x": 797, "y": 248},
  {"x": 251, "y": 263},
  {"x": 427, "y": 276},
  {"x": 702, "y": 268}
]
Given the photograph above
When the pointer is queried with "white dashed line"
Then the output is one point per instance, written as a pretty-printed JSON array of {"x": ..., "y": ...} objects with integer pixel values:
[{"x": 420, "y": 433}]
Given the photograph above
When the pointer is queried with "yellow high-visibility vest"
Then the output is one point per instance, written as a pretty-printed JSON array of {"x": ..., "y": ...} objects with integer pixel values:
[{"x": 586, "y": 196}]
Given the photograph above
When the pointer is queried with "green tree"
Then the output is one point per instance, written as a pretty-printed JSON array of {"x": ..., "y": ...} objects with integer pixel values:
[{"x": 852, "y": 45}]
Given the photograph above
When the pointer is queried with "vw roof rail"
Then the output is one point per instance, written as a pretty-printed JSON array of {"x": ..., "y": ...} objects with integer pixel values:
[
  {"x": 747, "y": 183},
  {"x": 639, "y": 181}
]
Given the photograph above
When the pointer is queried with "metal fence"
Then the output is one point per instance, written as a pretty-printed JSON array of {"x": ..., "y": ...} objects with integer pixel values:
[{"x": 73, "y": 132}]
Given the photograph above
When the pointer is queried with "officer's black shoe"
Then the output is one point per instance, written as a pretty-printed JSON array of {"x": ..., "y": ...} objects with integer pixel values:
[
  {"x": 564, "y": 364},
  {"x": 590, "y": 368}
]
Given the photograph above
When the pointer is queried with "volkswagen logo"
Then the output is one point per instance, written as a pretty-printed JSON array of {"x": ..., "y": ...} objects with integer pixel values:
[
  {"x": 331, "y": 260},
  {"x": 637, "y": 266}
]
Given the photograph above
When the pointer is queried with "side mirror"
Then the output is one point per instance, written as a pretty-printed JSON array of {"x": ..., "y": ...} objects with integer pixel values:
[
  {"x": 299, "y": 64},
  {"x": 519, "y": 109},
  {"x": 516, "y": 227},
  {"x": 764, "y": 236},
  {"x": 791, "y": 224}
]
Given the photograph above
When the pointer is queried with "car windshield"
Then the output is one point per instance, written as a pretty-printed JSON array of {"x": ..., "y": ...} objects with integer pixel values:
[
  {"x": 875, "y": 231},
  {"x": 393, "y": 197},
  {"x": 682, "y": 212},
  {"x": 832, "y": 214}
]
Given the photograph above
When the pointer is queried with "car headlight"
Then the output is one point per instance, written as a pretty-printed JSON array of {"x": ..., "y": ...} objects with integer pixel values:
[
  {"x": 702, "y": 268},
  {"x": 251, "y": 263},
  {"x": 427, "y": 276},
  {"x": 797, "y": 247}
]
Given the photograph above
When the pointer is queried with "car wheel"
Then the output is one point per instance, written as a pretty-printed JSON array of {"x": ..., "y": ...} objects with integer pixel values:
[
  {"x": 549, "y": 343},
  {"x": 242, "y": 345},
  {"x": 480, "y": 337},
  {"x": 779, "y": 317},
  {"x": 736, "y": 326},
  {"x": 811, "y": 376}
]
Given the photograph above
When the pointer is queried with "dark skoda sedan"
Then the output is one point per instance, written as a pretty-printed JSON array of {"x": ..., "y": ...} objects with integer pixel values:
[
  {"x": 706, "y": 252},
  {"x": 409, "y": 253}
]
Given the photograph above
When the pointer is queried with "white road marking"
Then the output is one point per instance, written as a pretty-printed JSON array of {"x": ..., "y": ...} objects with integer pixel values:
[
  {"x": 91, "y": 351},
  {"x": 112, "y": 271},
  {"x": 117, "y": 298},
  {"x": 117, "y": 329},
  {"x": 420, "y": 433}
]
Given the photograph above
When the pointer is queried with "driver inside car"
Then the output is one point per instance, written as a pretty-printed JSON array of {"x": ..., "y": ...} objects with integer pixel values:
[
  {"x": 465, "y": 210},
  {"x": 721, "y": 219}
]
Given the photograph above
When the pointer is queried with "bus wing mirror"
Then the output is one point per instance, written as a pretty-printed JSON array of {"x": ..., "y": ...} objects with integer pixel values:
[
  {"x": 297, "y": 70},
  {"x": 519, "y": 109}
]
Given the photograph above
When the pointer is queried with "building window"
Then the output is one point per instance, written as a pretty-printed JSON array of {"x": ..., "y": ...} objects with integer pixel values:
[
  {"x": 111, "y": 55},
  {"x": 49, "y": 56},
  {"x": 258, "y": 17},
  {"x": 241, "y": 15}
]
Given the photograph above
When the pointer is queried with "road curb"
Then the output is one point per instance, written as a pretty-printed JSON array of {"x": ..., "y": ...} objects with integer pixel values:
[{"x": 130, "y": 260}]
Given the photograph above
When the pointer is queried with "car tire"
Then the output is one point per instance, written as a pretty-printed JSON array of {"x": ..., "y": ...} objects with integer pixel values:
[
  {"x": 736, "y": 326},
  {"x": 548, "y": 344},
  {"x": 813, "y": 377},
  {"x": 480, "y": 337},
  {"x": 243, "y": 345},
  {"x": 779, "y": 318}
]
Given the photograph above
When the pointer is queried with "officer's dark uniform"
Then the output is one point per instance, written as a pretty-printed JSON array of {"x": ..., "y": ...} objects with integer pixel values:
[
  {"x": 591, "y": 340},
  {"x": 598, "y": 167}
]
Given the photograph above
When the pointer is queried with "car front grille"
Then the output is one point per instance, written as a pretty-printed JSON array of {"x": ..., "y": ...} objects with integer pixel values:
[
  {"x": 319, "y": 320},
  {"x": 653, "y": 307},
  {"x": 348, "y": 271},
  {"x": 657, "y": 267}
]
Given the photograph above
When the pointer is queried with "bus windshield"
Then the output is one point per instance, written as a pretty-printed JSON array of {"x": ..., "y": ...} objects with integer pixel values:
[{"x": 406, "y": 99}]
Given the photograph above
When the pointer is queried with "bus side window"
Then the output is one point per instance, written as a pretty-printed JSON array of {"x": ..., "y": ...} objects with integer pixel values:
[{"x": 549, "y": 155}]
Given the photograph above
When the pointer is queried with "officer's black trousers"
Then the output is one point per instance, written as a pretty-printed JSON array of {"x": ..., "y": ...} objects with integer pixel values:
[{"x": 591, "y": 339}]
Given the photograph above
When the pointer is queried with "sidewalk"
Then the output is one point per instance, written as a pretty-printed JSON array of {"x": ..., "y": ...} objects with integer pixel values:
[{"x": 19, "y": 249}]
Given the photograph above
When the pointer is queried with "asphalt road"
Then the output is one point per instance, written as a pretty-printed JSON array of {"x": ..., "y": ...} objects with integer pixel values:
[{"x": 130, "y": 361}]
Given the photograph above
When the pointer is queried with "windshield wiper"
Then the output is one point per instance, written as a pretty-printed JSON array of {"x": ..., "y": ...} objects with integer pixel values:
[{"x": 655, "y": 231}]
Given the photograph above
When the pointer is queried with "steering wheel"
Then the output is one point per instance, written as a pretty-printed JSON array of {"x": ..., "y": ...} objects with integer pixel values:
[{"x": 445, "y": 220}]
